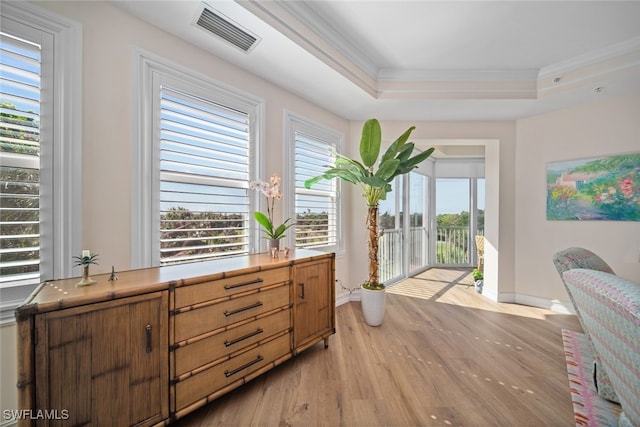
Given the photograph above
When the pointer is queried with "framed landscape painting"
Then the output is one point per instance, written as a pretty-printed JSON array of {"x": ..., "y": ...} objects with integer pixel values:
[{"x": 601, "y": 188}]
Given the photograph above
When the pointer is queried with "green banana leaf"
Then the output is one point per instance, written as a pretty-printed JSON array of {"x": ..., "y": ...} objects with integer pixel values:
[
  {"x": 395, "y": 161},
  {"x": 370, "y": 142}
]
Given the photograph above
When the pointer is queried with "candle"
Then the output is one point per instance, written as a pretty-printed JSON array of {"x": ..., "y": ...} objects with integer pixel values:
[{"x": 86, "y": 253}]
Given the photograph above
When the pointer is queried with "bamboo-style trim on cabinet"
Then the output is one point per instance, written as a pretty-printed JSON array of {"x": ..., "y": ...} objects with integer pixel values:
[{"x": 173, "y": 338}]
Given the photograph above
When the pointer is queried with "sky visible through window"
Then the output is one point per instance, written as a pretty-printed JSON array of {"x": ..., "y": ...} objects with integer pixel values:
[
  {"x": 452, "y": 195},
  {"x": 25, "y": 96}
]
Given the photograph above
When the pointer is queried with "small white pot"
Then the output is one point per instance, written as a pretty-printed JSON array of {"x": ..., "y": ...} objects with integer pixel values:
[
  {"x": 373, "y": 303},
  {"x": 478, "y": 285}
]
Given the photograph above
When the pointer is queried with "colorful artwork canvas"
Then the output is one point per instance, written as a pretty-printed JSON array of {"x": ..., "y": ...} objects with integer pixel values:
[{"x": 602, "y": 188}]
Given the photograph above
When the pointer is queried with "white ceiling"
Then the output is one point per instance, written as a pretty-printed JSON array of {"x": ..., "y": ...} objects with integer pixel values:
[{"x": 427, "y": 60}]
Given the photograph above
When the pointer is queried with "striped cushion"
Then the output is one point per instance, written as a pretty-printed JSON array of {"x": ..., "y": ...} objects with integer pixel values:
[
  {"x": 571, "y": 258},
  {"x": 610, "y": 308},
  {"x": 576, "y": 257},
  {"x": 588, "y": 408}
]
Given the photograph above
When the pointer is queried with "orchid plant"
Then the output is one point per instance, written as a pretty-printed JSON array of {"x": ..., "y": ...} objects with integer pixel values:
[{"x": 272, "y": 192}]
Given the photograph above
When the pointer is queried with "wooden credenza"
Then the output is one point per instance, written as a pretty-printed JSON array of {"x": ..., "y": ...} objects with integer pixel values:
[{"x": 158, "y": 343}]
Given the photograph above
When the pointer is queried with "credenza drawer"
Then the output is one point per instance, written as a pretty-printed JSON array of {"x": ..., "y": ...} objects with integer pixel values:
[
  {"x": 214, "y": 347},
  {"x": 210, "y": 317},
  {"x": 210, "y": 380},
  {"x": 195, "y": 294}
]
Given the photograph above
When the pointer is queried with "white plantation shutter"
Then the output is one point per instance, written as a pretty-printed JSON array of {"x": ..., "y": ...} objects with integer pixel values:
[
  {"x": 316, "y": 208},
  {"x": 20, "y": 161},
  {"x": 204, "y": 177},
  {"x": 40, "y": 150}
]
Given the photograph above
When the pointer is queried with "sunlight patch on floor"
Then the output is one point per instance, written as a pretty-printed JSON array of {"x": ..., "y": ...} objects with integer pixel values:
[
  {"x": 418, "y": 288},
  {"x": 431, "y": 284},
  {"x": 455, "y": 286}
]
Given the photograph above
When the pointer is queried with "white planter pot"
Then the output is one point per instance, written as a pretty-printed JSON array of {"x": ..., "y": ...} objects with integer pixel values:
[
  {"x": 373, "y": 303},
  {"x": 478, "y": 285}
]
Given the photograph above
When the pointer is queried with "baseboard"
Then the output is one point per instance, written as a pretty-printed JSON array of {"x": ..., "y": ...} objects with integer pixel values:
[
  {"x": 342, "y": 299},
  {"x": 563, "y": 307},
  {"x": 554, "y": 305},
  {"x": 493, "y": 296}
]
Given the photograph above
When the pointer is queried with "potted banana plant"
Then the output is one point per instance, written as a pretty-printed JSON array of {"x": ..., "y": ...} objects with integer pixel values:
[{"x": 373, "y": 174}]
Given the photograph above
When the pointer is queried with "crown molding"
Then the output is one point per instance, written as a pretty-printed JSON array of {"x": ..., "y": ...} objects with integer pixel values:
[
  {"x": 618, "y": 60},
  {"x": 458, "y": 84},
  {"x": 457, "y": 75},
  {"x": 306, "y": 14},
  {"x": 294, "y": 20},
  {"x": 457, "y": 90},
  {"x": 309, "y": 29},
  {"x": 582, "y": 61}
]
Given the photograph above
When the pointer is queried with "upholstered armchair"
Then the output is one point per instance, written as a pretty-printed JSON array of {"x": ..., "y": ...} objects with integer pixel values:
[{"x": 573, "y": 258}]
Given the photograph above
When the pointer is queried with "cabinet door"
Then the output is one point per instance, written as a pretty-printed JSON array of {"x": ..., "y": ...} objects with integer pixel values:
[
  {"x": 106, "y": 363},
  {"x": 313, "y": 302}
]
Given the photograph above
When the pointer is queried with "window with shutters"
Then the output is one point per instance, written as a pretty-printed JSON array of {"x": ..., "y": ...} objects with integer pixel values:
[
  {"x": 317, "y": 210},
  {"x": 204, "y": 143},
  {"x": 20, "y": 168},
  {"x": 37, "y": 124},
  {"x": 204, "y": 171}
]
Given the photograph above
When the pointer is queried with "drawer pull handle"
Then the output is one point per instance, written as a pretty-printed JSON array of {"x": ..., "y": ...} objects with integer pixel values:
[
  {"x": 240, "y": 310},
  {"x": 228, "y": 373},
  {"x": 239, "y": 285},
  {"x": 147, "y": 331},
  {"x": 242, "y": 338},
  {"x": 301, "y": 290}
]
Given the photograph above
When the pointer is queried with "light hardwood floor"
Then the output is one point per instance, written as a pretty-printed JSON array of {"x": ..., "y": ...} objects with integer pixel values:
[{"x": 444, "y": 356}]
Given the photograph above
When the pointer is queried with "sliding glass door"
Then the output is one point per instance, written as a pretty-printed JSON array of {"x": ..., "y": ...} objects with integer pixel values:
[
  {"x": 459, "y": 218},
  {"x": 391, "y": 252},
  {"x": 418, "y": 226},
  {"x": 404, "y": 244}
]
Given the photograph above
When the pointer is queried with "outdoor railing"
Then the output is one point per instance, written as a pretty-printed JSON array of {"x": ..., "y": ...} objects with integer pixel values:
[
  {"x": 418, "y": 249},
  {"x": 390, "y": 251},
  {"x": 390, "y": 254},
  {"x": 453, "y": 247}
]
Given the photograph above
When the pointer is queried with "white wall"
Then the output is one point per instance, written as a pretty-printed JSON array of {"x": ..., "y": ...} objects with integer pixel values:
[{"x": 598, "y": 129}]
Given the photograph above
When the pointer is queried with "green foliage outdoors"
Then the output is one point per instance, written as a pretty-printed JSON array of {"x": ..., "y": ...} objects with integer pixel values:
[
  {"x": 452, "y": 246},
  {"x": 186, "y": 234},
  {"x": 20, "y": 192},
  {"x": 312, "y": 228},
  {"x": 453, "y": 237},
  {"x": 214, "y": 234}
]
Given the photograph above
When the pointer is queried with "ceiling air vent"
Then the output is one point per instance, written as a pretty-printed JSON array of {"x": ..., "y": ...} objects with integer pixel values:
[{"x": 223, "y": 27}]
